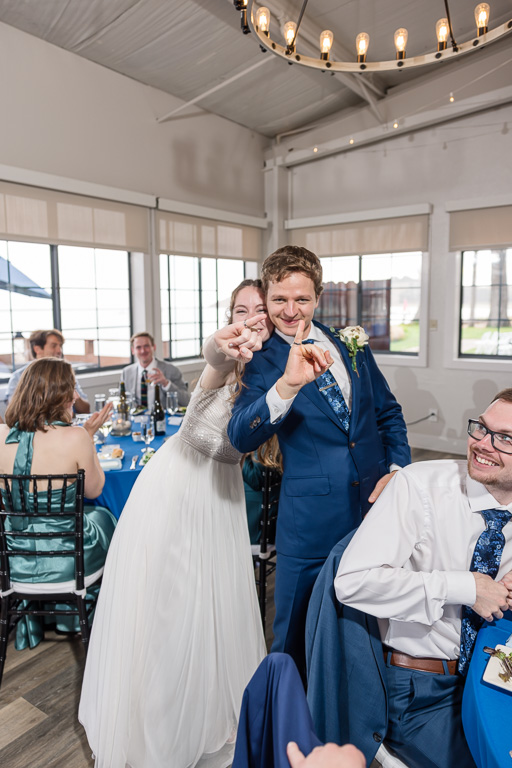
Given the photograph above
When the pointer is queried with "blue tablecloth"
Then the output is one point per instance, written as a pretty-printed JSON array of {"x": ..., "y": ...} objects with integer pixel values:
[
  {"x": 119, "y": 482},
  {"x": 487, "y": 710}
]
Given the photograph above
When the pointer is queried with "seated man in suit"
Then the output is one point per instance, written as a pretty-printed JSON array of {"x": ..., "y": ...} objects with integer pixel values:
[
  {"x": 148, "y": 370},
  {"x": 432, "y": 562},
  {"x": 47, "y": 344},
  {"x": 341, "y": 433}
]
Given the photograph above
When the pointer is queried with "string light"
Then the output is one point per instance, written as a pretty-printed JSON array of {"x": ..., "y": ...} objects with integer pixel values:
[{"x": 452, "y": 97}]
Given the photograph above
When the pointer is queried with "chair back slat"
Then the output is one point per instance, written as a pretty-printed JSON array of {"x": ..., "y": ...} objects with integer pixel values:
[{"x": 40, "y": 505}]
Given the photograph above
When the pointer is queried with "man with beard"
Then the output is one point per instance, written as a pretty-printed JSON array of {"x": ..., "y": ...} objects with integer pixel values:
[{"x": 433, "y": 562}]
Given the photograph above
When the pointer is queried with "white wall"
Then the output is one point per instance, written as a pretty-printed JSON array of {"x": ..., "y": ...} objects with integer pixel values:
[
  {"x": 467, "y": 158},
  {"x": 67, "y": 116}
]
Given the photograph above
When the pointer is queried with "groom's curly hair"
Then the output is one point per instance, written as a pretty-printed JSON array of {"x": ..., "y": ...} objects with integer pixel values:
[{"x": 288, "y": 259}]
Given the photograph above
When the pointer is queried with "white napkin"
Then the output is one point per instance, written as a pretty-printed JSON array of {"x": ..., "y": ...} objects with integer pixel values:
[
  {"x": 175, "y": 420},
  {"x": 108, "y": 464}
]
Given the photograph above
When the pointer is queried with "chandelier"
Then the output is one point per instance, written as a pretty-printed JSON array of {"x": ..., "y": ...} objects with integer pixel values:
[{"x": 256, "y": 19}]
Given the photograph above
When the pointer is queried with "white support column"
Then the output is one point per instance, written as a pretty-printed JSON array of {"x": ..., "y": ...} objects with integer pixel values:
[{"x": 276, "y": 206}]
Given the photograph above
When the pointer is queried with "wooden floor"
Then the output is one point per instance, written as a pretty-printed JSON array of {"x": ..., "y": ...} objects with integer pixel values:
[{"x": 40, "y": 692}]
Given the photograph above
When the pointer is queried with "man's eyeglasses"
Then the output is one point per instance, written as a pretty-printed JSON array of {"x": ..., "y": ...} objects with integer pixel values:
[{"x": 501, "y": 442}]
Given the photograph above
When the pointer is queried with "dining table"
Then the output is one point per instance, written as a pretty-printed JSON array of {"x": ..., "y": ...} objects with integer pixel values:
[
  {"x": 119, "y": 482},
  {"x": 487, "y": 708}
]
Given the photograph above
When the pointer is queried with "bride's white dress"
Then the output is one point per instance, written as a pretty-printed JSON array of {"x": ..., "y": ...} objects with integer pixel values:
[{"x": 177, "y": 632}]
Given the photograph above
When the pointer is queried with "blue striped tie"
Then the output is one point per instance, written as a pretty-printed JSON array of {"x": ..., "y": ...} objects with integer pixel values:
[{"x": 486, "y": 559}]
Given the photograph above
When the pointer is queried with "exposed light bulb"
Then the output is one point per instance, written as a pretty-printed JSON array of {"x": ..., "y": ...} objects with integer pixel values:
[
  {"x": 315, "y": 149},
  {"x": 395, "y": 124},
  {"x": 452, "y": 97},
  {"x": 263, "y": 20},
  {"x": 482, "y": 12},
  {"x": 326, "y": 40},
  {"x": 400, "y": 38},
  {"x": 362, "y": 43},
  {"x": 442, "y": 32},
  {"x": 290, "y": 30},
  {"x": 351, "y": 140}
]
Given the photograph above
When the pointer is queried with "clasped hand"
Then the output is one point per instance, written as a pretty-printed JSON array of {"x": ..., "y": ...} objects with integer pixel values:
[
  {"x": 239, "y": 340},
  {"x": 493, "y": 598},
  {"x": 306, "y": 362}
]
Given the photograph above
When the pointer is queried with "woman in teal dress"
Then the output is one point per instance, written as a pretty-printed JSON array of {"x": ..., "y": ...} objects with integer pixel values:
[{"x": 38, "y": 438}]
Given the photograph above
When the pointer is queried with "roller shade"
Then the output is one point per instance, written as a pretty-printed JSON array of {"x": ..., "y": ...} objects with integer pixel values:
[
  {"x": 403, "y": 233},
  {"x": 189, "y": 235},
  {"x": 34, "y": 214},
  {"x": 481, "y": 228}
]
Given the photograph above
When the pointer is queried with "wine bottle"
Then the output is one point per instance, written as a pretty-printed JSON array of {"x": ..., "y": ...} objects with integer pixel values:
[
  {"x": 123, "y": 406},
  {"x": 157, "y": 414}
]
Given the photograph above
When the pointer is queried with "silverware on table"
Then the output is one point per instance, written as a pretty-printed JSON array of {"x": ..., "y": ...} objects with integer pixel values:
[{"x": 134, "y": 462}]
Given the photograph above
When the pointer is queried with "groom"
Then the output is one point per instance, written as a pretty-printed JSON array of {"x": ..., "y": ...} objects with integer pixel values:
[{"x": 340, "y": 430}]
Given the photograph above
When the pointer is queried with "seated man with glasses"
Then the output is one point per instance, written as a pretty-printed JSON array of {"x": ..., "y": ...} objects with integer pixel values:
[{"x": 433, "y": 562}]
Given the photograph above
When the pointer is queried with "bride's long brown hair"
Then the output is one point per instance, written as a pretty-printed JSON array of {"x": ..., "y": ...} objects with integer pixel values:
[{"x": 269, "y": 453}]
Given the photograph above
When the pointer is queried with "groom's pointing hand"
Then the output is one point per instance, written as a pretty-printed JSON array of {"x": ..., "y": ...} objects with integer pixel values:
[{"x": 306, "y": 362}]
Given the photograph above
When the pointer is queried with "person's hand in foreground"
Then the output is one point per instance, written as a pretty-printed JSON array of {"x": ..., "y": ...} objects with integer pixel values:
[
  {"x": 239, "y": 340},
  {"x": 306, "y": 362},
  {"x": 98, "y": 418},
  {"x": 327, "y": 756}
]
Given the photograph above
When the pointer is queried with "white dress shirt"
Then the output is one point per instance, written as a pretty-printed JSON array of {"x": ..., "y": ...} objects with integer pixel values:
[
  {"x": 279, "y": 407},
  {"x": 408, "y": 563}
]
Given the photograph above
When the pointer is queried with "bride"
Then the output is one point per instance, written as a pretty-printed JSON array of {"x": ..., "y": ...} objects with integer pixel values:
[{"x": 177, "y": 632}]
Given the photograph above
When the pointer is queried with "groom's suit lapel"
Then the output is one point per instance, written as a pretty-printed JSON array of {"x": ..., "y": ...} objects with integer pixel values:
[{"x": 275, "y": 352}]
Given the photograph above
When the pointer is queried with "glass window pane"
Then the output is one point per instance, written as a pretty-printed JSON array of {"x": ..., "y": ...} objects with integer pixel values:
[{"x": 486, "y": 303}]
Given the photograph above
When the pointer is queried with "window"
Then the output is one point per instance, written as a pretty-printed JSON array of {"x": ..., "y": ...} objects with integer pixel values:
[
  {"x": 486, "y": 304},
  {"x": 194, "y": 298},
  {"x": 84, "y": 292},
  {"x": 380, "y": 292}
]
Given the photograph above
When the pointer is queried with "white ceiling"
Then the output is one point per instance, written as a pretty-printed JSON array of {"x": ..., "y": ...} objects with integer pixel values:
[{"x": 195, "y": 50}]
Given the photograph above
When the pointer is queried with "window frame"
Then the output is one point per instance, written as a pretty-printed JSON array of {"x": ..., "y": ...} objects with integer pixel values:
[
  {"x": 78, "y": 367},
  {"x": 408, "y": 359}
]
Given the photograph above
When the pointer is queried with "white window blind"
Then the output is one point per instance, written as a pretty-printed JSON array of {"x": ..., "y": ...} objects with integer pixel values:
[
  {"x": 34, "y": 214},
  {"x": 403, "y": 233},
  {"x": 481, "y": 228},
  {"x": 192, "y": 236}
]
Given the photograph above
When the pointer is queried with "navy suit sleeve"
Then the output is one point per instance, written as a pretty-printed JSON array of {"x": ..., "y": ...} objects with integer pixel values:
[
  {"x": 250, "y": 424},
  {"x": 389, "y": 416}
]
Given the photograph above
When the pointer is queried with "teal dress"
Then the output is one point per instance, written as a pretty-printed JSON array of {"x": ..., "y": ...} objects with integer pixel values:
[{"x": 99, "y": 525}]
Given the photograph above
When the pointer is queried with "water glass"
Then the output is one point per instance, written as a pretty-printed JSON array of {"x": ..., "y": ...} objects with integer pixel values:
[
  {"x": 99, "y": 401},
  {"x": 171, "y": 403}
]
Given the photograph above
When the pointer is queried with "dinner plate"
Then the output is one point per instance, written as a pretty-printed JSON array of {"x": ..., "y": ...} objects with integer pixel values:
[{"x": 493, "y": 669}]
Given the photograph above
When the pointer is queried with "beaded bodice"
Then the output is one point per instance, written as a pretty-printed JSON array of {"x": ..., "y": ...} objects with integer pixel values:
[{"x": 205, "y": 424}]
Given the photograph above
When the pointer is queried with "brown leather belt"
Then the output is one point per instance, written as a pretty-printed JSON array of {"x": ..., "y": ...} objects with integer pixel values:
[{"x": 399, "y": 659}]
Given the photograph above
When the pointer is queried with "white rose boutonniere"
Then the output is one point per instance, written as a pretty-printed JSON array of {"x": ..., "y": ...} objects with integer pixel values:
[{"x": 355, "y": 339}]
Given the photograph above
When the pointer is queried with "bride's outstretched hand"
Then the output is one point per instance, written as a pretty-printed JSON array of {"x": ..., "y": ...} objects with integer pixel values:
[
  {"x": 306, "y": 362},
  {"x": 240, "y": 340}
]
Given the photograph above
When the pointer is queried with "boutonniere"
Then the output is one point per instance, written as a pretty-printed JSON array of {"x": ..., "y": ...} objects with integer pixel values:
[{"x": 355, "y": 339}]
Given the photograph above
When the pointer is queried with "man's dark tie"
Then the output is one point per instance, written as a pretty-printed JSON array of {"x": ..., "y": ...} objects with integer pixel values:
[
  {"x": 486, "y": 559},
  {"x": 144, "y": 389},
  {"x": 330, "y": 389}
]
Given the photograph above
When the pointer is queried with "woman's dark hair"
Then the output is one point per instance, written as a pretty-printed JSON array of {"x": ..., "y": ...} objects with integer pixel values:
[{"x": 43, "y": 395}]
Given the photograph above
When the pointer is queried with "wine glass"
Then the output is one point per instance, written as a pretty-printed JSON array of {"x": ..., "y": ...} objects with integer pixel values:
[
  {"x": 103, "y": 430},
  {"x": 171, "y": 403},
  {"x": 147, "y": 434}
]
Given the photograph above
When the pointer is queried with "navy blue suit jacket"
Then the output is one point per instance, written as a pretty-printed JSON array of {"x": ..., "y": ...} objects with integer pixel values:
[
  {"x": 346, "y": 674},
  {"x": 328, "y": 474}
]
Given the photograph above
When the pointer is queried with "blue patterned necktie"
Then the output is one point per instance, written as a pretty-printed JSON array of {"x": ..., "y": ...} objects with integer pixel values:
[
  {"x": 486, "y": 559},
  {"x": 330, "y": 389}
]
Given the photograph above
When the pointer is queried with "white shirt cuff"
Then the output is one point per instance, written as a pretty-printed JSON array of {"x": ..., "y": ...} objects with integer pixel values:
[
  {"x": 394, "y": 467},
  {"x": 276, "y": 405},
  {"x": 460, "y": 588}
]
